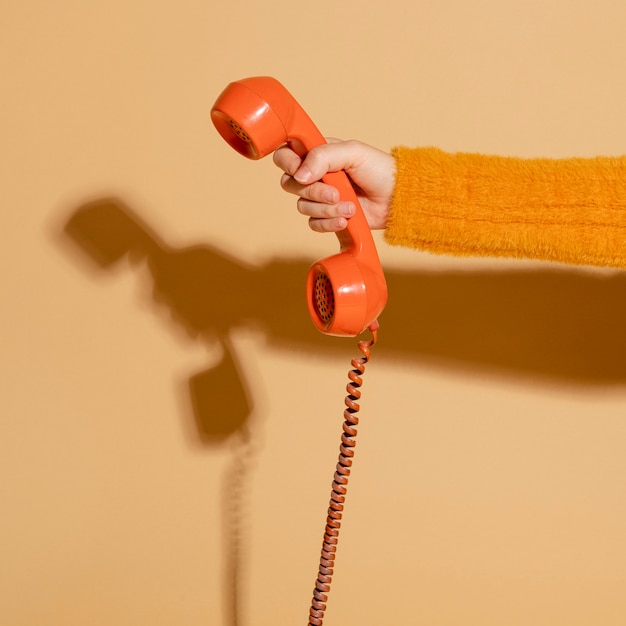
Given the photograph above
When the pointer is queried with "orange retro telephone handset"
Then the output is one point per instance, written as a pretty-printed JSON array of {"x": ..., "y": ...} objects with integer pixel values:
[{"x": 345, "y": 292}]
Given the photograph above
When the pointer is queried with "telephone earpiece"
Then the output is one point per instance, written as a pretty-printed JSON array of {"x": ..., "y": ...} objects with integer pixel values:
[{"x": 346, "y": 292}]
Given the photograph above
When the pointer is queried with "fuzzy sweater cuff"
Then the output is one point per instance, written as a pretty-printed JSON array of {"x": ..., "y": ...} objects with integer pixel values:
[{"x": 568, "y": 210}]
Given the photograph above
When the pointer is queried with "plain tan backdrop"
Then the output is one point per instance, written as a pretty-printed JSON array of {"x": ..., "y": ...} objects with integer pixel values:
[{"x": 169, "y": 419}]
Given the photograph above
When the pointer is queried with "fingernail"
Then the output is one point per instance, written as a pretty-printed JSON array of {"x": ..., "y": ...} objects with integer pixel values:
[
  {"x": 330, "y": 195},
  {"x": 303, "y": 175},
  {"x": 347, "y": 208}
]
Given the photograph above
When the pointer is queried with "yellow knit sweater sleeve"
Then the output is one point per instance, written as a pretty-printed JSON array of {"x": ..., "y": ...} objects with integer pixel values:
[{"x": 568, "y": 210}]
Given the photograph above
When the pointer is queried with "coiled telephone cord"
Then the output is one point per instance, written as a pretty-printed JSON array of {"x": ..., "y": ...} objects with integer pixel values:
[{"x": 340, "y": 482}]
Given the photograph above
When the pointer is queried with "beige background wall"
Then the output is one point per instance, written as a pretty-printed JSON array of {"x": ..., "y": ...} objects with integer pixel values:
[{"x": 169, "y": 419}]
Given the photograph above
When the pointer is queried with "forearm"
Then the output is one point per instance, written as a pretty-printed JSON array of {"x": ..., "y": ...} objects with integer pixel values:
[{"x": 566, "y": 210}]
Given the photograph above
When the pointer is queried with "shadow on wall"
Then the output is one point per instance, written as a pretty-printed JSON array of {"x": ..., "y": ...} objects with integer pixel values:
[
  {"x": 548, "y": 325},
  {"x": 552, "y": 326}
]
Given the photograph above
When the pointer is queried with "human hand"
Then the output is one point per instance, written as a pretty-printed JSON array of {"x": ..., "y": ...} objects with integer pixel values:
[{"x": 371, "y": 172}]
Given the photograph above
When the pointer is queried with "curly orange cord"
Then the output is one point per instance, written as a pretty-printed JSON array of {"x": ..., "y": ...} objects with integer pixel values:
[{"x": 340, "y": 482}]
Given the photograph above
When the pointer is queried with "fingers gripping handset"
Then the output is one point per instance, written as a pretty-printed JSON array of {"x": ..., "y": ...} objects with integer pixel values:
[{"x": 347, "y": 291}]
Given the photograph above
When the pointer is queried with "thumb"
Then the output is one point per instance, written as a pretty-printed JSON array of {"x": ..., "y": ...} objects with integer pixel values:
[{"x": 333, "y": 156}]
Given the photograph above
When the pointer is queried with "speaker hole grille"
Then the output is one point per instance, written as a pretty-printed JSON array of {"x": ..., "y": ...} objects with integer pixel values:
[
  {"x": 324, "y": 298},
  {"x": 240, "y": 132}
]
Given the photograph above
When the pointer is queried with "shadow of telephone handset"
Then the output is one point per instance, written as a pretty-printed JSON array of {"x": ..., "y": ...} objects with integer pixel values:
[{"x": 345, "y": 292}]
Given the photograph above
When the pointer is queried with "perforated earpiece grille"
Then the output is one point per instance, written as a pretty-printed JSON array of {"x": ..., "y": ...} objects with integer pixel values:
[
  {"x": 324, "y": 298},
  {"x": 240, "y": 132}
]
